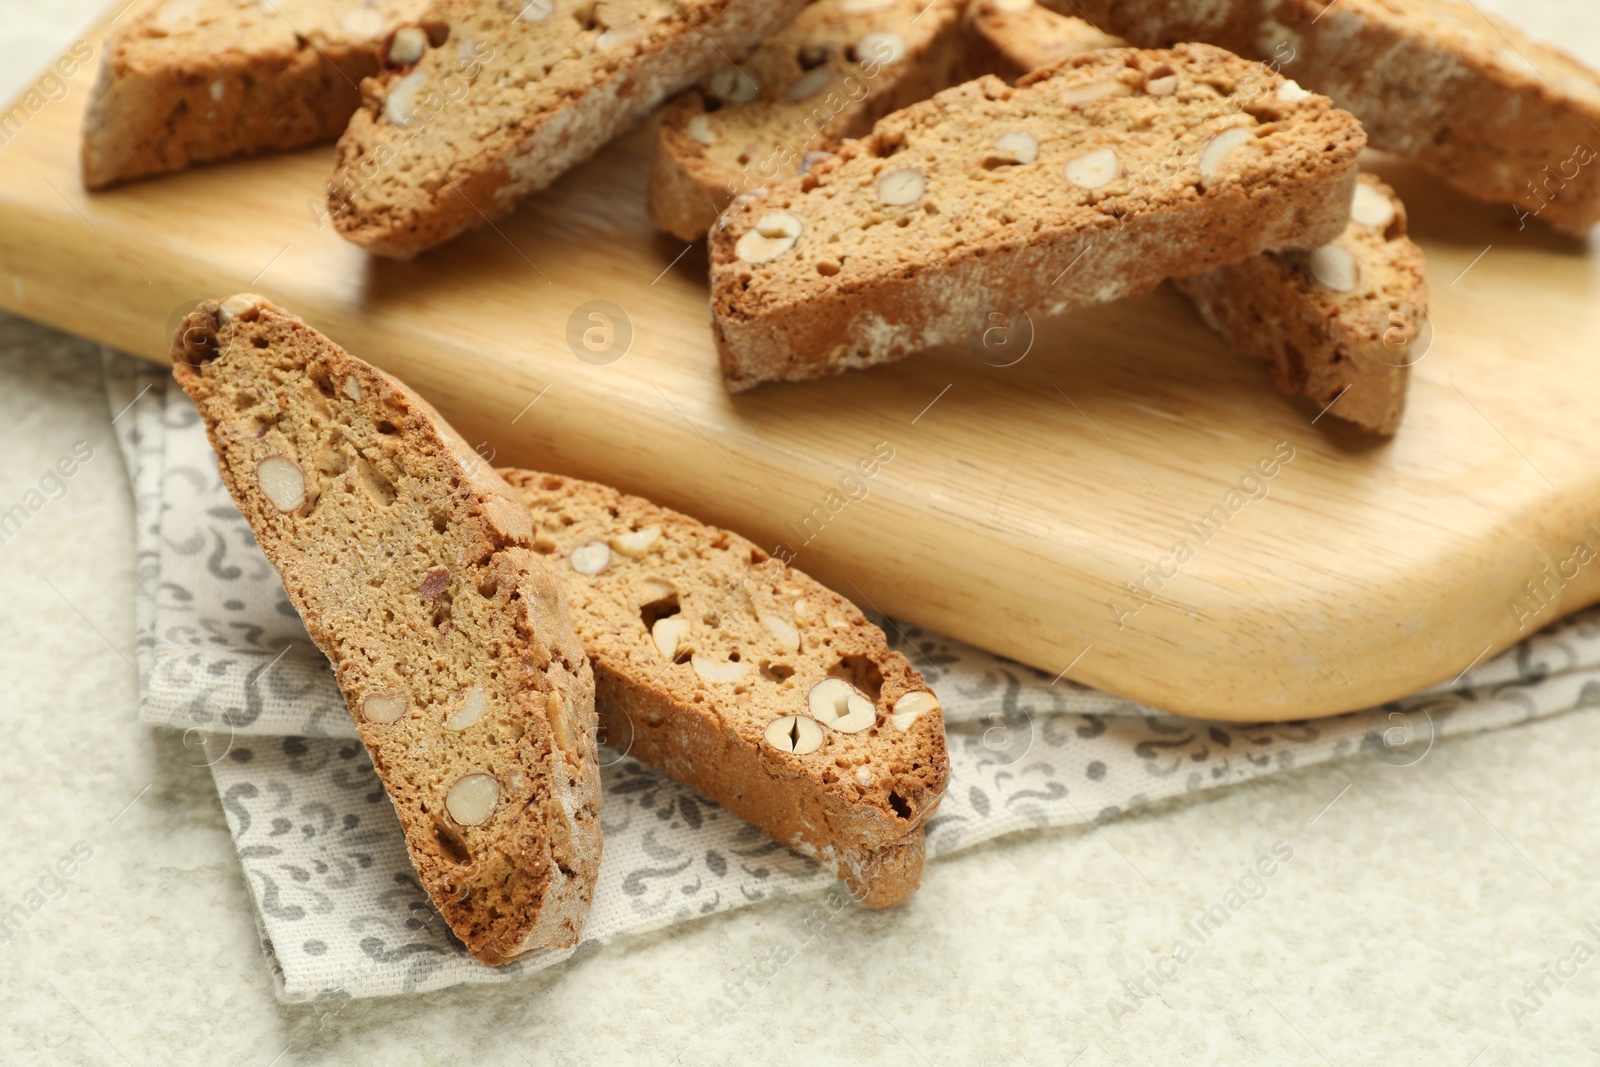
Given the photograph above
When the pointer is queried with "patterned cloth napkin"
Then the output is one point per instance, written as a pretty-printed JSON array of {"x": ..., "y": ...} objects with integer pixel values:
[{"x": 227, "y": 668}]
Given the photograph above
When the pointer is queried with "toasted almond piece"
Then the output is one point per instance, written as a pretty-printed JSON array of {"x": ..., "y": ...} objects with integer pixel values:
[
  {"x": 1336, "y": 267},
  {"x": 636, "y": 543},
  {"x": 1083, "y": 94},
  {"x": 1221, "y": 147},
  {"x": 782, "y": 629},
  {"x": 409, "y": 43},
  {"x": 836, "y": 703},
  {"x": 1291, "y": 93},
  {"x": 591, "y": 557},
  {"x": 668, "y": 634},
  {"x": 773, "y": 234},
  {"x": 471, "y": 711},
  {"x": 282, "y": 481},
  {"x": 882, "y": 46},
  {"x": 795, "y": 734},
  {"x": 1371, "y": 208},
  {"x": 912, "y": 706},
  {"x": 1020, "y": 145},
  {"x": 239, "y": 305},
  {"x": 384, "y": 707},
  {"x": 560, "y": 719},
  {"x": 902, "y": 186},
  {"x": 719, "y": 671},
  {"x": 472, "y": 799},
  {"x": 400, "y": 106},
  {"x": 1093, "y": 169}
]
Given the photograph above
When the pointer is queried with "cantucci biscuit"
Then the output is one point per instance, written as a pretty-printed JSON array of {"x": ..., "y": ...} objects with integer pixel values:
[
  {"x": 195, "y": 81},
  {"x": 1478, "y": 102},
  {"x": 769, "y": 693},
  {"x": 1091, "y": 180},
  {"x": 837, "y": 69},
  {"x": 505, "y": 96},
  {"x": 1008, "y": 38},
  {"x": 1339, "y": 323},
  {"x": 413, "y": 566}
]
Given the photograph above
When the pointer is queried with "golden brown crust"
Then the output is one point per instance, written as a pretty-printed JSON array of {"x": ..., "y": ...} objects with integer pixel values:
[
  {"x": 1009, "y": 38},
  {"x": 1337, "y": 348},
  {"x": 1483, "y": 106},
  {"x": 832, "y": 73},
  {"x": 1337, "y": 331},
  {"x": 749, "y": 638},
  {"x": 508, "y": 97},
  {"x": 1142, "y": 165},
  {"x": 687, "y": 192},
  {"x": 412, "y": 566},
  {"x": 196, "y": 81}
]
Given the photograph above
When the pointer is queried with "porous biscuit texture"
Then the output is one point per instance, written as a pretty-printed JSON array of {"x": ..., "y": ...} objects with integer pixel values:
[
  {"x": 1009, "y": 38},
  {"x": 196, "y": 81},
  {"x": 412, "y": 565},
  {"x": 1091, "y": 180},
  {"x": 1340, "y": 324},
  {"x": 507, "y": 95},
  {"x": 769, "y": 693},
  {"x": 1498, "y": 115},
  {"x": 837, "y": 69}
]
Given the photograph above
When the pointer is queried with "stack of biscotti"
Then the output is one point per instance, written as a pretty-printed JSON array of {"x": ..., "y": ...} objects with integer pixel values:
[
  {"x": 1009, "y": 38},
  {"x": 1498, "y": 115},
  {"x": 837, "y": 69},
  {"x": 415, "y": 570},
  {"x": 730, "y": 671},
  {"x": 194, "y": 81},
  {"x": 1091, "y": 180},
  {"x": 503, "y": 98},
  {"x": 1339, "y": 323}
]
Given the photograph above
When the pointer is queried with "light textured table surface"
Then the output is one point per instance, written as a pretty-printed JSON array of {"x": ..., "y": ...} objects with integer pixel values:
[{"x": 1413, "y": 907}]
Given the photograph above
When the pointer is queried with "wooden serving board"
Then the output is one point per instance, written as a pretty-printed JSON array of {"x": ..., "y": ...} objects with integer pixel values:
[{"x": 1018, "y": 501}]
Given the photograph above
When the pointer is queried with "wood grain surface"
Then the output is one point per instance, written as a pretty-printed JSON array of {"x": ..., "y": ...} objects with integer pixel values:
[{"x": 1019, "y": 501}]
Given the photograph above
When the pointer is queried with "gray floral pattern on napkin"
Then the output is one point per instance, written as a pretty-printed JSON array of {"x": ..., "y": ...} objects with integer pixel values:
[{"x": 224, "y": 659}]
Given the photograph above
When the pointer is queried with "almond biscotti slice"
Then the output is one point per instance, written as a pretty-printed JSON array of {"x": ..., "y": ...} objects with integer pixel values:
[
  {"x": 1326, "y": 333},
  {"x": 1483, "y": 106},
  {"x": 413, "y": 566},
  {"x": 1091, "y": 180},
  {"x": 837, "y": 69},
  {"x": 508, "y": 95},
  {"x": 1008, "y": 38},
  {"x": 730, "y": 671},
  {"x": 195, "y": 81},
  {"x": 1337, "y": 322}
]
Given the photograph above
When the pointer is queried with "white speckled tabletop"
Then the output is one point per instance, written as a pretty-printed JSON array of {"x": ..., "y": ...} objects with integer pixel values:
[{"x": 1416, "y": 903}]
